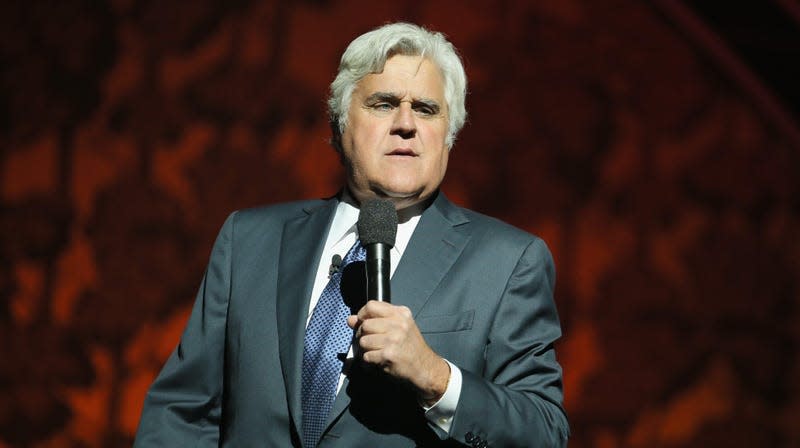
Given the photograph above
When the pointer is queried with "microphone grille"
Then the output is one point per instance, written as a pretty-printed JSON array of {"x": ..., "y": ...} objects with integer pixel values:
[{"x": 377, "y": 222}]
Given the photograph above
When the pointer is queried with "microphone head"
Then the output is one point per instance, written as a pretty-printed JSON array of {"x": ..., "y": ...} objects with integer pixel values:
[{"x": 377, "y": 222}]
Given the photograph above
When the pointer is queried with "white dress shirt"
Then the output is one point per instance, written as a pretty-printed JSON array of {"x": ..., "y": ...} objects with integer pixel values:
[{"x": 341, "y": 237}]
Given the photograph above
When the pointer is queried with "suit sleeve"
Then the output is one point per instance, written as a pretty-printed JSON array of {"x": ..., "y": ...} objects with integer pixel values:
[
  {"x": 183, "y": 405},
  {"x": 517, "y": 400}
]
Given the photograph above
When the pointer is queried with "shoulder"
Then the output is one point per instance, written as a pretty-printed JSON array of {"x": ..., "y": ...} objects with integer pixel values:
[
  {"x": 273, "y": 213},
  {"x": 265, "y": 220},
  {"x": 495, "y": 239},
  {"x": 484, "y": 227},
  {"x": 496, "y": 227}
]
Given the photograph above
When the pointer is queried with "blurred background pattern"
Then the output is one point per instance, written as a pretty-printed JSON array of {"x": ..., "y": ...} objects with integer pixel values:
[{"x": 653, "y": 145}]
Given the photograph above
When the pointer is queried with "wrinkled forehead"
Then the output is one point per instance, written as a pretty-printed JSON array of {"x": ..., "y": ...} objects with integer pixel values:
[{"x": 405, "y": 76}]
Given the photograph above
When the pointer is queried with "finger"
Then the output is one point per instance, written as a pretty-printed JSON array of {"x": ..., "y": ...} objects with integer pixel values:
[
  {"x": 378, "y": 358},
  {"x": 373, "y": 308},
  {"x": 353, "y": 321},
  {"x": 404, "y": 311},
  {"x": 377, "y": 325},
  {"x": 372, "y": 342}
]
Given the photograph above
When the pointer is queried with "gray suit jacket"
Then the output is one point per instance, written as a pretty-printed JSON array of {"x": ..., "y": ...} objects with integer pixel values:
[{"x": 480, "y": 290}]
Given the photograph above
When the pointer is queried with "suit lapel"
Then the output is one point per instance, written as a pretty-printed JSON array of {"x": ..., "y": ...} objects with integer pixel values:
[
  {"x": 302, "y": 243},
  {"x": 435, "y": 245},
  {"x": 437, "y": 242}
]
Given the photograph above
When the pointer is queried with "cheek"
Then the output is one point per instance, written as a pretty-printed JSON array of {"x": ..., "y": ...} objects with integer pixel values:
[
  {"x": 361, "y": 139},
  {"x": 444, "y": 154},
  {"x": 443, "y": 161},
  {"x": 356, "y": 160}
]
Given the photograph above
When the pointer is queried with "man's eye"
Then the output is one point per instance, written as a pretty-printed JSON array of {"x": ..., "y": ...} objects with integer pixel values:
[
  {"x": 426, "y": 109},
  {"x": 382, "y": 106}
]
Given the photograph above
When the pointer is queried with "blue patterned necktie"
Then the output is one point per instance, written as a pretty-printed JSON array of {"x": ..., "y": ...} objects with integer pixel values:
[{"x": 327, "y": 335}]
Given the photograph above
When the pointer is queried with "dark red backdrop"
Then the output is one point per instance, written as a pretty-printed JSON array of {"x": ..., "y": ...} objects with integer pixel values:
[{"x": 130, "y": 129}]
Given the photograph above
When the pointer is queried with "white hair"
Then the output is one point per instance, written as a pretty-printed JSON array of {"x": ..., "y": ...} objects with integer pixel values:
[{"x": 368, "y": 54}]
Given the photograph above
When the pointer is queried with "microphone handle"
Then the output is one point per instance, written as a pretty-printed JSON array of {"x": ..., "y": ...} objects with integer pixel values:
[{"x": 378, "y": 268}]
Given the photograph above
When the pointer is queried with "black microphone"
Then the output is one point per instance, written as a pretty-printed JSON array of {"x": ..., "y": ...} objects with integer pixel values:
[
  {"x": 377, "y": 230},
  {"x": 336, "y": 263}
]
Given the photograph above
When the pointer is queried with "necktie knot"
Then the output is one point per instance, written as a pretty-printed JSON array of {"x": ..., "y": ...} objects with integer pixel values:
[{"x": 356, "y": 253}]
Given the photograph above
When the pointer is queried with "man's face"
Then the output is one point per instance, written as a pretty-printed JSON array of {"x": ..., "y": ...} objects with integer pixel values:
[{"x": 394, "y": 143}]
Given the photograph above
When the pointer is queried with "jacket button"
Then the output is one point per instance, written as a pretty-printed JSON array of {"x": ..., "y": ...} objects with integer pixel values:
[{"x": 469, "y": 437}]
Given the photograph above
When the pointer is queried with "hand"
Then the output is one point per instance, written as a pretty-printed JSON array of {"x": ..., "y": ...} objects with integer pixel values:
[{"x": 389, "y": 339}]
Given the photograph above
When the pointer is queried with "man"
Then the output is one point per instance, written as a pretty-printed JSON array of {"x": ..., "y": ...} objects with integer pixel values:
[{"x": 463, "y": 354}]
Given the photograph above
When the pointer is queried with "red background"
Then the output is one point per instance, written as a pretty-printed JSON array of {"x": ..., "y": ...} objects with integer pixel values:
[{"x": 668, "y": 195}]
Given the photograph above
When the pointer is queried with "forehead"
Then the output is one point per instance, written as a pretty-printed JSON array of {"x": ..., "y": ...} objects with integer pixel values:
[{"x": 405, "y": 76}]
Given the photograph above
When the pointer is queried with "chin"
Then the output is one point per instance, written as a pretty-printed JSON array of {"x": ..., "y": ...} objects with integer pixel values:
[
  {"x": 398, "y": 192},
  {"x": 402, "y": 187}
]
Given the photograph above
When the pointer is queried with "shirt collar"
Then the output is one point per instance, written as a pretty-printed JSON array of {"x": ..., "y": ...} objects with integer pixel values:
[
  {"x": 346, "y": 217},
  {"x": 344, "y": 220}
]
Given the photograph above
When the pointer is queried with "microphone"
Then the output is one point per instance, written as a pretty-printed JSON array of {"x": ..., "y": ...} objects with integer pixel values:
[
  {"x": 377, "y": 230},
  {"x": 336, "y": 264}
]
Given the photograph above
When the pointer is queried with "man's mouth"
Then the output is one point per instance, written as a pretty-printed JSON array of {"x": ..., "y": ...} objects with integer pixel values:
[{"x": 402, "y": 152}]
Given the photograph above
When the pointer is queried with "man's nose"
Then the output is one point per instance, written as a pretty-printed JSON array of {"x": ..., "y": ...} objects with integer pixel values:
[{"x": 404, "y": 123}]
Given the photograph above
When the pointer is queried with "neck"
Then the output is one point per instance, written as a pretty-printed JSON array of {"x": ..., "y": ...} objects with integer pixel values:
[{"x": 406, "y": 207}]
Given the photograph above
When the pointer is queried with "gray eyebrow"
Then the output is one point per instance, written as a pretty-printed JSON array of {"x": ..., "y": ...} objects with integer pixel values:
[
  {"x": 394, "y": 99},
  {"x": 389, "y": 97}
]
